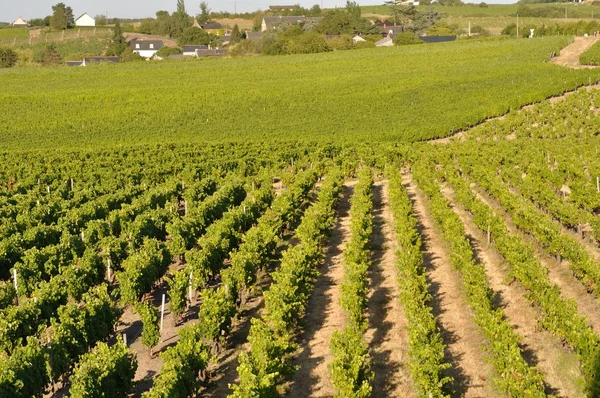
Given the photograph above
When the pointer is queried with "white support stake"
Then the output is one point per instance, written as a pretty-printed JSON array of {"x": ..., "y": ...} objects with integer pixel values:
[
  {"x": 125, "y": 339},
  {"x": 71, "y": 184},
  {"x": 82, "y": 236},
  {"x": 48, "y": 188},
  {"x": 186, "y": 207},
  {"x": 108, "y": 269},
  {"x": 162, "y": 313},
  {"x": 191, "y": 286}
]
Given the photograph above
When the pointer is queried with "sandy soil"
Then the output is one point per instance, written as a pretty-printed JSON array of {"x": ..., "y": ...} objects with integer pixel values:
[
  {"x": 559, "y": 273},
  {"x": 560, "y": 367},
  {"x": 464, "y": 343},
  {"x": 569, "y": 56},
  {"x": 387, "y": 335},
  {"x": 324, "y": 315}
]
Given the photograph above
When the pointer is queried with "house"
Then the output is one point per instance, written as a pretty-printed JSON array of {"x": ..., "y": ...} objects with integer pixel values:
[
  {"x": 269, "y": 23},
  {"x": 19, "y": 22},
  {"x": 385, "y": 42},
  {"x": 254, "y": 35},
  {"x": 214, "y": 28},
  {"x": 191, "y": 49},
  {"x": 85, "y": 20},
  {"x": 146, "y": 48},
  {"x": 357, "y": 39},
  {"x": 437, "y": 39},
  {"x": 212, "y": 52},
  {"x": 94, "y": 60},
  {"x": 282, "y": 8}
]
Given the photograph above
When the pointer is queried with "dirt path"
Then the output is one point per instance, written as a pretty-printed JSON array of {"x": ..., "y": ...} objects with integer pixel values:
[
  {"x": 559, "y": 274},
  {"x": 464, "y": 343},
  {"x": 560, "y": 367},
  {"x": 324, "y": 315},
  {"x": 149, "y": 367},
  {"x": 387, "y": 335},
  {"x": 569, "y": 56}
]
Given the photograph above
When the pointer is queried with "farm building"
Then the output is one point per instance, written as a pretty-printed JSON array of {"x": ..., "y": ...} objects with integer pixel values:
[
  {"x": 94, "y": 60},
  {"x": 269, "y": 23},
  {"x": 214, "y": 28},
  {"x": 19, "y": 22},
  {"x": 437, "y": 39},
  {"x": 385, "y": 42},
  {"x": 85, "y": 20},
  {"x": 146, "y": 48},
  {"x": 213, "y": 52},
  {"x": 254, "y": 35},
  {"x": 191, "y": 49}
]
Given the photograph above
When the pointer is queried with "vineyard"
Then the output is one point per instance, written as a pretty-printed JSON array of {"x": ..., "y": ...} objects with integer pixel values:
[
  {"x": 304, "y": 98},
  {"x": 136, "y": 263}
]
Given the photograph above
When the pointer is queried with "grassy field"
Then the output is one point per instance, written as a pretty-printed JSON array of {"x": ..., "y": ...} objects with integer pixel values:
[
  {"x": 394, "y": 94},
  {"x": 11, "y": 33}
]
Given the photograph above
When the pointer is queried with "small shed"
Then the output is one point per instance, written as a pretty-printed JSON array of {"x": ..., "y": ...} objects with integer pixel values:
[{"x": 85, "y": 20}]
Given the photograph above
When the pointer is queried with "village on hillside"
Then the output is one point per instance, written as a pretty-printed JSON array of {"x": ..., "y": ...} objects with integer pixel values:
[{"x": 279, "y": 30}]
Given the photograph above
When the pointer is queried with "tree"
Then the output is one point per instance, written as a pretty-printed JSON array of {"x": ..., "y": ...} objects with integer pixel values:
[
  {"x": 405, "y": 38},
  {"x": 62, "y": 17},
  {"x": 8, "y": 59},
  {"x": 204, "y": 16},
  {"x": 150, "y": 325},
  {"x": 353, "y": 9},
  {"x": 59, "y": 20},
  {"x": 193, "y": 35},
  {"x": 181, "y": 6},
  {"x": 236, "y": 35},
  {"x": 118, "y": 44}
]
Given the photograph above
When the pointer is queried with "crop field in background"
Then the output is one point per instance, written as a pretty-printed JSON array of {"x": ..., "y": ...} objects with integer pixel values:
[{"x": 388, "y": 94}]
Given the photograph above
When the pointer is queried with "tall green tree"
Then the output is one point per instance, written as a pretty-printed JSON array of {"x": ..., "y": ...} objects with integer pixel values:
[
  {"x": 353, "y": 9},
  {"x": 62, "y": 17},
  {"x": 236, "y": 35},
  {"x": 204, "y": 16},
  {"x": 181, "y": 6},
  {"x": 118, "y": 44}
]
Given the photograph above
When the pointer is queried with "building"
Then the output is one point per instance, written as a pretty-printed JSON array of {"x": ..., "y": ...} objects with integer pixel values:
[
  {"x": 254, "y": 35},
  {"x": 357, "y": 39},
  {"x": 211, "y": 52},
  {"x": 94, "y": 60},
  {"x": 19, "y": 22},
  {"x": 385, "y": 42},
  {"x": 85, "y": 20},
  {"x": 214, "y": 28},
  {"x": 191, "y": 49},
  {"x": 269, "y": 23},
  {"x": 437, "y": 39},
  {"x": 146, "y": 48}
]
